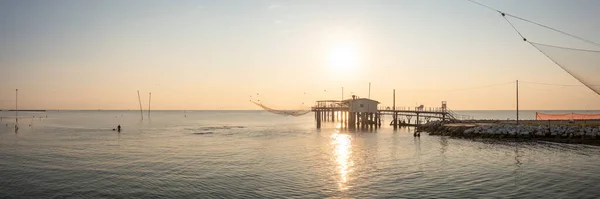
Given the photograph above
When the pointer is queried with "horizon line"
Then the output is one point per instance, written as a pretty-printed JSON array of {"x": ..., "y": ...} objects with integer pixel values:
[{"x": 34, "y": 110}]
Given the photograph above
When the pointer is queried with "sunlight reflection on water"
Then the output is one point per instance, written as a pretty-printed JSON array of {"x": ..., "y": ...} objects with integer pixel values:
[
  {"x": 251, "y": 154},
  {"x": 342, "y": 153}
]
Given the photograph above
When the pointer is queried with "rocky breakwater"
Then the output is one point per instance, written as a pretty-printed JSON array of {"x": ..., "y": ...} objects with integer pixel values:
[{"x": 556, "y": 133}]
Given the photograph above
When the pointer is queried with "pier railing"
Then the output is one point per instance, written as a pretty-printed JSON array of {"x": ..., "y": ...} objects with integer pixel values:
[
  {"x": 460, "y": 117},
  {"x": 448, "y": 112},
  {"x": 408, "y": 108}
]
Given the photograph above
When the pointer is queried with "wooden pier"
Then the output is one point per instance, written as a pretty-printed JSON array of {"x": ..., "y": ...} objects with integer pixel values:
[
  {"x": 343, "y": 112},
  {"x": 363, "y": 113}
]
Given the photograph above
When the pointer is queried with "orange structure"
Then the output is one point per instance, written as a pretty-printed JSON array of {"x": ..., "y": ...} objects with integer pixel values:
[{"x": 566, "y": 116}]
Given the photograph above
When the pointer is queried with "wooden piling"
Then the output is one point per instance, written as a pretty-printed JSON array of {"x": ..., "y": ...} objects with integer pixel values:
[
  {"x": 318, "y": 114},
  {"x": 333, "y": 115},
  {"x": 395, "y": 117}
]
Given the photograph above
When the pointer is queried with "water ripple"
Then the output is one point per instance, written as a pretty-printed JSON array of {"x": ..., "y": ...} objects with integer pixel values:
[{"x": 279, "y": 158}]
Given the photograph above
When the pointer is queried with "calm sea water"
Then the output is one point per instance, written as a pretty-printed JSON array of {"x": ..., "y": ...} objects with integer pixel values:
[{"x": 254, "y": 154}]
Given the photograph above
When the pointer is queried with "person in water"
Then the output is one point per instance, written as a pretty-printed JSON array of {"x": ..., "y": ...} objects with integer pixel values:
[{"x": 119, "y": 128}]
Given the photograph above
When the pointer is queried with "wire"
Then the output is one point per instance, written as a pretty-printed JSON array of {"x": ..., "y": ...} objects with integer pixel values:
[
  {"x": 549, "y": 84},
  {"x": 486, "y": 6},
  {"x": 478, "y": 87},
  {"x": 460, "y": 89},
  {"x": 537, "y": 45},
  {"x": 504, "y": 14},
  {"x": 554, "y": 29},
  {"x": 530, "y": 87},
  {"x": 514, "y": 28},
  {"x": 566, "y": 48}
]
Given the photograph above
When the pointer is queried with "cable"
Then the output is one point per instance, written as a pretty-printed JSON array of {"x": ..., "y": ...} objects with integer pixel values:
[
  {"x": 504, "y": 14},
  {"x": 478, "y": 87},
  {"x": 460, "y": 89},
  {"x": 528, "y": 82},
  {"x": 566, "y": 48},
  {"x": 537, "y": 45},
  {"x": 554, "y": 29},
  {"x": 514, "y": 28},
  {"x": 486, "y": 6}
]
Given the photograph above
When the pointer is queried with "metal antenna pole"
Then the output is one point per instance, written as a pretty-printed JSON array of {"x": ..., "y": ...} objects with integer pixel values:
[{"x": 369, "y": 90}]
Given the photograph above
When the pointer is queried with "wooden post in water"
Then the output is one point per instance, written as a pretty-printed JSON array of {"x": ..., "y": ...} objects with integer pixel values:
[
  {"x": 16, "y": 109},
  {"x": 140, "y": 100},
  {"x": 352, "y": 122},
  {"x": 361, "y": 117},
  {"x": 368, "y": 120},
  {"x": 378, "y": 120},
  {"x": 374, "y": 120},
  {"x": 349, "y": 119},
  {"x": 357, "y": 120},
  {"x": 517, "y": 102},
  {"x": 346, "y": 118},
  {"x": 354, "y": 119},
  {"x": 318, "y": 114},
  {"x": 149, "y": 100},
  {"x": 363, "y": 120},
  {"x": 395, "y": 117},
  {"x": 332, "y": 115},
  {"x": 371, "y": 119}
]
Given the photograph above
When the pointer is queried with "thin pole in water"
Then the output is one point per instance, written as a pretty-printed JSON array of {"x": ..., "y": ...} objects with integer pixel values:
[
  {"x": 140, "y": 100},
  {"x": 394, "y": 115},
  {"x": 16, "y": 108},
  {"x": 517, "y": 102},
  {"x": 149, "y": 100}
]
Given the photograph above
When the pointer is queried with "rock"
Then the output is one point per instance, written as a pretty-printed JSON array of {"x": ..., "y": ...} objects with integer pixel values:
[{"x": 470, "y": 130}]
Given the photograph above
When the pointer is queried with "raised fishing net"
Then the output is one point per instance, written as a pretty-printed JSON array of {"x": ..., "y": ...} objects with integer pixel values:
[
  {"x": 295, "y": 113},
  {"x": 582, "y": 64}
]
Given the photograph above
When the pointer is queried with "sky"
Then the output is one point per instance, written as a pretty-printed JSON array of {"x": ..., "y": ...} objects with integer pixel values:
[{"x": 219, "y": 55}]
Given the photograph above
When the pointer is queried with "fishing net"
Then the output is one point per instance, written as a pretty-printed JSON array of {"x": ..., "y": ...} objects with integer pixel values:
[
  {"x": 566, "y": 116},
  {"x": 582, "y": 64},
  {"x": 294, "y": 113}
]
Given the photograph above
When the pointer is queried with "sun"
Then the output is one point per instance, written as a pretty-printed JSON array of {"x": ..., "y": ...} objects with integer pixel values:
[{"x": 343, "y": 56}]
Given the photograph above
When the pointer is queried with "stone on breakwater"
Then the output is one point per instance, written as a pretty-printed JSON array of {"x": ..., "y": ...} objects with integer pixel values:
[{"x": 481, "y": 130}]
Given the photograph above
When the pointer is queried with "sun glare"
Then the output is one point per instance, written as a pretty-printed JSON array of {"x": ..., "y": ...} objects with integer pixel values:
[{"x": 343, "y": 56}]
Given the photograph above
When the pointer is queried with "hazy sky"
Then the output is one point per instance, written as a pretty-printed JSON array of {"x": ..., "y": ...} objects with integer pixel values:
[{"x": 217, "y": 54}]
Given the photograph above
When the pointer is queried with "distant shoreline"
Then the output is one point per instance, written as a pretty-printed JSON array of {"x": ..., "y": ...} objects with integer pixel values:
[{"x": 28, "y": 110}]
